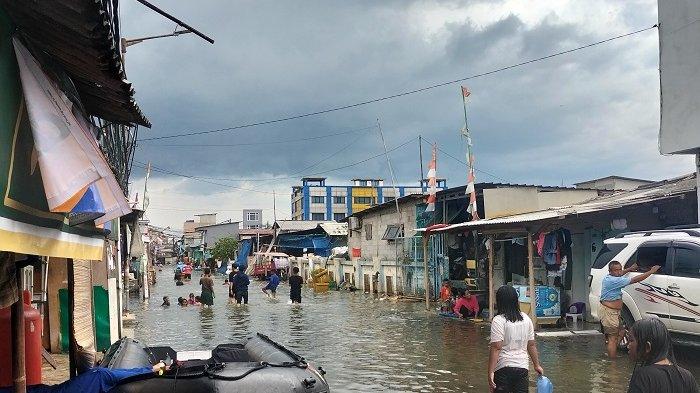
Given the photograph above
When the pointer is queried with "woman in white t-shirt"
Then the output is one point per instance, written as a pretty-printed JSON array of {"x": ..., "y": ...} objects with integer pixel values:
[{"x": 512, "y": 339}]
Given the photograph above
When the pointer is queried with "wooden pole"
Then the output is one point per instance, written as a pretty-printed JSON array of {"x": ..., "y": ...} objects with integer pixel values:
[
  {"x": 19, "y": 373},
  {"x": 491, "y": 289},
  {"x": 72, "y": 353},
  {"x": 426, "y": 281},
  {"x": 531, "y": 275}
]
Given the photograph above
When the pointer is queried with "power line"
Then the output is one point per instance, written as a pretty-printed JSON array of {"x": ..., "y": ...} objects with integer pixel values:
[
  {"x": 410, "y": 92},
  {"x": 169, "y": 172},
  {"x": 263, "y": 143},
  {"x": 142, "y": 165},
  {"x": 464, "y": 163},
  {"x": 297, "y": 173}
]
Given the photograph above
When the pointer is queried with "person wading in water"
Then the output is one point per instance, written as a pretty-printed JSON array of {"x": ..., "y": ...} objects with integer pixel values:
[
  {"x": 207, "y": 283},
  {"x": 611, "y": 302},
  {"x": 512, "y": 340}
]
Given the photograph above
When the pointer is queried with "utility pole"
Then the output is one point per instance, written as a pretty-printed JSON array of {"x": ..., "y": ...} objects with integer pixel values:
[
  {"x": 420, "y": 155},
  {"x": 274, "y": 206}
]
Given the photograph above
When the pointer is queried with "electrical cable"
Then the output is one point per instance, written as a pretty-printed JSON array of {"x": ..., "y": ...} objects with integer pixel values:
[
  {"x": 405, "y": 93},
  {"x": 311, "y": 138},
  {"x": 157, "y": 169},
  {"x": 464, "y": 163}
]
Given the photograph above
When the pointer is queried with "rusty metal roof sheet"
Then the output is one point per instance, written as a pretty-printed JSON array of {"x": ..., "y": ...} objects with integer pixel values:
[
  {"x": 82, "y": 36},
  {"x": 642, "y": 194}
]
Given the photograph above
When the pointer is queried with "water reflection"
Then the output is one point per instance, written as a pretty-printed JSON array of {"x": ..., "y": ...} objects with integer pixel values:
[{"x": 367, "y": 343}]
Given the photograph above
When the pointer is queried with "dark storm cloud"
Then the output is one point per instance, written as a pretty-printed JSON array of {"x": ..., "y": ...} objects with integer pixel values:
[{"x": 275, "y": 59}]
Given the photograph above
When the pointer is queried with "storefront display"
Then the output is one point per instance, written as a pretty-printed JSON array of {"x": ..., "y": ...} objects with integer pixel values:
[{"x": 547, "y": 299}]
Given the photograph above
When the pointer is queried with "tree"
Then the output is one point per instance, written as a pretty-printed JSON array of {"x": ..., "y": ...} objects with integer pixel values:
[{"x": 225, "y": 248}]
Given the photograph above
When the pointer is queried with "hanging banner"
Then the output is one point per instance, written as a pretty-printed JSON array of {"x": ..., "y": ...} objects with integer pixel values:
[
  {"x": 27, "y": 225},
  {"x": 67, "y": 152}
]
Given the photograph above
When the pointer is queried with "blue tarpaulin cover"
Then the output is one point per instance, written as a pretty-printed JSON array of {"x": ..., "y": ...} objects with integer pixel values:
[{"x": 243, "y": 250}]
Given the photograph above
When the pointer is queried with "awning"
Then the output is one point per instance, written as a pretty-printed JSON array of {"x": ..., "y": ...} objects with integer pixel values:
[
  {"x": 31, "y": 239},
  {"x": 83, "y": 38},
  {"x": 665, "y": 189}
]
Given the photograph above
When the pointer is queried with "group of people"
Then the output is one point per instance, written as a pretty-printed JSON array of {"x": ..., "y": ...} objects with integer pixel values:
[
  {"x": 459, "y": 302},
  {"x": 237, "y": 282},
  {"x": 512, "y": 342}
]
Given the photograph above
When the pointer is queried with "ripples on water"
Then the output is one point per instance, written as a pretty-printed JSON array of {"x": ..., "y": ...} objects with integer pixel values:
[{"x": 368, "y": 344}]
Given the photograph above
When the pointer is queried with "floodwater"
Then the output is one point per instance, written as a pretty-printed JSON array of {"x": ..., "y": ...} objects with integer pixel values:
[{"x": 369, "y": 344}]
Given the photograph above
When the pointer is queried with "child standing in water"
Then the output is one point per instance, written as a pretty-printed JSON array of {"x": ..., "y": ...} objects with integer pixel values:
[{"x": 295, "y": 283}]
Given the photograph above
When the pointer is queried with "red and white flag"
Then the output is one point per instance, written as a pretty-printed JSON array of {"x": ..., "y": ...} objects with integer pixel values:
[
  {"x": 470, "y": 190},
  {"x": 465, "y": 93},
  {"x": 432, "y": 181}
]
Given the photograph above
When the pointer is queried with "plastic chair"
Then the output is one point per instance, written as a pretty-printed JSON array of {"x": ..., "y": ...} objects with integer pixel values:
[{"x": 576, "y": 311}]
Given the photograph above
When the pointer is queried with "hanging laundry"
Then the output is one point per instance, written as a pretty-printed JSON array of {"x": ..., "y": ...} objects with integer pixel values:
[
  {"x": 540, "y": 243},
  {"x": 549, "y": 250}
]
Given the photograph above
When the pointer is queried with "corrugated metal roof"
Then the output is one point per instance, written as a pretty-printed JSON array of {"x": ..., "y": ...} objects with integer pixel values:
[
  {"x": 642, "y": 194},
  {"x": 335, "y": 228},
  {"x": 83, "y": 37},
  {"x": 298, "y": 225}
]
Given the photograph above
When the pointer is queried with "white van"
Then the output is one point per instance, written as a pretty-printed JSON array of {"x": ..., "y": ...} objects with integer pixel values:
[{"x": 672, "y": 294}]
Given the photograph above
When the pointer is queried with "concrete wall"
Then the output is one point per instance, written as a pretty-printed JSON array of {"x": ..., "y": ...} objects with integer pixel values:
[
  {"x": 357, "y": 271},
  {"x": 612, "y": 184},
  {"x": 499, "y": 202},
  {"x": 249, "y": 224},
  {"x": 379, "y": 220},
  {"x": 214, "y": 233}
]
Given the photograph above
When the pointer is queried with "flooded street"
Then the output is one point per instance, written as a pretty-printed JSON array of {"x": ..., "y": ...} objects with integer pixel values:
[{"x": 366, "y": 344}]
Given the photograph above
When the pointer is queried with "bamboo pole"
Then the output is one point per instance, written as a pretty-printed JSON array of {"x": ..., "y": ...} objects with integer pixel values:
[
  {"x": 531, "y": 275},
  {"x": 19, "y": 372},
  {"x": 426, "y": 281},
  {"x": 72, "y": 346},
  {"x": 491, "y": 290}
]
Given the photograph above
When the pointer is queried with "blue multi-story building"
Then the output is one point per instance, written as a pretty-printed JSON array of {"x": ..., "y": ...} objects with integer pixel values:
[{"x": 314, "y": 200}]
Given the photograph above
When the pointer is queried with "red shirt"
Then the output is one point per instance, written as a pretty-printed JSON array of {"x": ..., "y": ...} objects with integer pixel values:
[
  {"x": 445, "y": 292},
  {"x": 469, "y": 302}
]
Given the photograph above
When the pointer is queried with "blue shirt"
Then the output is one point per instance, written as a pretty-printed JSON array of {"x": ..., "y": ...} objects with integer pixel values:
[
  {"x": 241, "y": 282},
  {"x": 612, "y": 287},
  {"x": 274, "y": 282}
]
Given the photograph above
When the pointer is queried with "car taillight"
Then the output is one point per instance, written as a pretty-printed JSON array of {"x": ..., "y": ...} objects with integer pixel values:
[{"x": 590, "y": 280}]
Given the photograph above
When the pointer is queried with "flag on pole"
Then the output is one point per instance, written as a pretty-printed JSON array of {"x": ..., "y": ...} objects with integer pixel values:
[
  {"x": 146, "y": 200},
  {"x": 432, "y": 181},
  {"x": 465, "y": 93},
  {"x": 470, "y": 190}
]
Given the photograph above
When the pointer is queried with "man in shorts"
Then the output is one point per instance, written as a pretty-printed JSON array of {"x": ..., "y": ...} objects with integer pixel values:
[{"x": 611, "y": 301}]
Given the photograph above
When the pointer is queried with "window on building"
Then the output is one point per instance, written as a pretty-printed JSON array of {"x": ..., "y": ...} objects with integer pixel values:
[
  {"x": 317, "y": 199},
  {"x": 388, "y": 199},
  {"x": 338, "y": 216},
  {"x": 368, "y": 231},
  {"x": 365, "y": 200},
  {"x": 340, "y": 200},
  {"x": 687, "y": 262},
  {"x": 392, "y": 232},
  {"x": 252, "y": 216}
]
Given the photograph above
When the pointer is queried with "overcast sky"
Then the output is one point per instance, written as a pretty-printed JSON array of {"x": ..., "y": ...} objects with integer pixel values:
[{"x": 575, "y": 117}]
